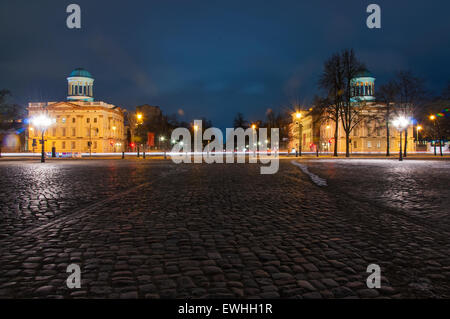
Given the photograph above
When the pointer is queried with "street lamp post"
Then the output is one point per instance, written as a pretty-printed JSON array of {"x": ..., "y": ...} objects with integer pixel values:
[
  {"x": 42, "y": 122},
  {"x": 438, "y": 137},
  {"x": 255, "y": 138},
  {"x": 139, "y": 118},
  {"x": 298, "y": 115},
  {"x": 418, "y": 129},
  {"x": 161, "y": 139},
  {"x": 432, "y": 117},
  {"x": 401, "y": 123}
]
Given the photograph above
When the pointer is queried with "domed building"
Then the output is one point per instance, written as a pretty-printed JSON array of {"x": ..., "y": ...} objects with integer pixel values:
[
  {"x": 82, "y": 125},
  {"x": 81, "y": 86},
  {"x": 316, "y": 131},
  {"x": 363, "y": 87}
]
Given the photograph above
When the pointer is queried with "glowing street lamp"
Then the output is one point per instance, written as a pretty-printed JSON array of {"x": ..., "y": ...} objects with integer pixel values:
[
  {"x": 418, "y": 129},
  {"x": 42, "y": 122},
  {"x": 401, "y": 123},
  {"x": 298, "y": 115},
  {"x": 435, "y": 124},
  {"x": 161, "y": 139}
]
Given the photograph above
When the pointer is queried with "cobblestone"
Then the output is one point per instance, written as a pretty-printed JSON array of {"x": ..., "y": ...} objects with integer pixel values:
[{"x": 153, "y": 229}]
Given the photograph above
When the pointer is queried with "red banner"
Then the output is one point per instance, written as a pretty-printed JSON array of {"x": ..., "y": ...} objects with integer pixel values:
[{"x": 151, "y": 139}]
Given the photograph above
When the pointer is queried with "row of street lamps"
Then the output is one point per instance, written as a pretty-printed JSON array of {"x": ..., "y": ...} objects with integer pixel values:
[
  {"x": 43, "y": 122},
  {"x": 401, "y": 123}
]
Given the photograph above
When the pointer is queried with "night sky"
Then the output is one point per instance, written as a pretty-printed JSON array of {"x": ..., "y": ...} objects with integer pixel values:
[{"x": 213, "y": 58}]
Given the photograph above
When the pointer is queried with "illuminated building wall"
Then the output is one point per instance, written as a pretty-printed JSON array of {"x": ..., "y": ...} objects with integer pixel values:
[{"x": 80, "y": 121}]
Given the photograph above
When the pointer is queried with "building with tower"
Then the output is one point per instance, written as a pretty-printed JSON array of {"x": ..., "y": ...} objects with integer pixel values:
[
  {"x": 82, "y": 125},
  {"x": 314, "y": 131}
]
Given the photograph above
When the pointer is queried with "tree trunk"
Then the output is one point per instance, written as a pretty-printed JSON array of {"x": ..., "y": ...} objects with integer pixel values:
[
  {"x": 406, "y": 142},
  {"x": 336, "y": 132},
  {"x": 388, "y": 141},
  {"x": 347, "y": 145}
]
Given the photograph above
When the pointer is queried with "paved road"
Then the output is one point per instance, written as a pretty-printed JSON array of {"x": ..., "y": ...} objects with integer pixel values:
[{"x": 153, "y": 229}]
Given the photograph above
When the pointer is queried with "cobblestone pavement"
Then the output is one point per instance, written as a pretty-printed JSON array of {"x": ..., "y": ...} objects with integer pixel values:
[{"x": 153, "y": 229}]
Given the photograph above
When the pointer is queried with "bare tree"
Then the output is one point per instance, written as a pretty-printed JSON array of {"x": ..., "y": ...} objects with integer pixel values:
[
  {"x": 352, "y": 110},
  {"x": 239, "y": 121},
  {"x": 332, "y": 81},
  {"x": 387, "y": 93},
  {"x": 411, "y": 93}
]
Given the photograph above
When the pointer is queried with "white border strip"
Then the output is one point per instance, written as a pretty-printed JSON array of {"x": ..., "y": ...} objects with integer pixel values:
[{"x": 316, "y": 179}]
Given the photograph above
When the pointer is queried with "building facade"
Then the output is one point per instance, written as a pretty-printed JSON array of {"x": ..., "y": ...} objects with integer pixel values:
[
  {"x": 316, "y": 132},
  {"x": 81, "y": 125}
]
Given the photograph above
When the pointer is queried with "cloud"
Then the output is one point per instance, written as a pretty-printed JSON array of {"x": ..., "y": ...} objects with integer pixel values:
[
  {"x": 253, "y": 88},
  {"x": 121, "y": 64}
]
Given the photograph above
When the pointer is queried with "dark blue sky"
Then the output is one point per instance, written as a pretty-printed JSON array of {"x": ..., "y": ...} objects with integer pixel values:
[{"x": 213, "y": 58}]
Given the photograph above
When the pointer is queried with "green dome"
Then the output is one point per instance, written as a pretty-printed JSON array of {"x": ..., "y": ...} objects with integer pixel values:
[
  {"x": 80, "y": 72},
  {"x": 364, "y": 74}
]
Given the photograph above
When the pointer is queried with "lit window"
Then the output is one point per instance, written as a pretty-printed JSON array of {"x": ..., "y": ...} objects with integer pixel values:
[
  {"x": 63, "y": 120},
  {"x": 369, "y": 144}
]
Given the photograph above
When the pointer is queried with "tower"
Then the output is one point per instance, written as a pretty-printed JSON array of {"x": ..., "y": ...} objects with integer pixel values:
[
  {"x": 363, "y": 87},
  {"x": 80, "y": 86}
]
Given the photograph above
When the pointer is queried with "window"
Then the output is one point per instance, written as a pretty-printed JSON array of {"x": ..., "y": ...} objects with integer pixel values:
[
  {"x": 87, "y": 131},
  {"x": 378, "y": 144},
  {"x": 73, "y": 145},
  {"x": 355, "y": 144},
  {"x": 88, "y": 120},
  {"x": 74, "y": 131},
  {"x": 63, "y": 145},
  {"x": 63, "y": 131},
  {"x": 369, "y": 144},
  {"x": 73, "y": 120},
  {"x": 54, "y": 132},
  {"x": 63, "y": 120},
  {"x": 95, "y": 144},
  {"x": 95, "y": 120}
]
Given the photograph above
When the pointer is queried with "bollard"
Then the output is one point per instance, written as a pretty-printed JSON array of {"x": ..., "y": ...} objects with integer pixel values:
[
  {"x": 123, "y": 155},
  {"x": 143, "y": 154},
  {"x": 165, "y": 155}
]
